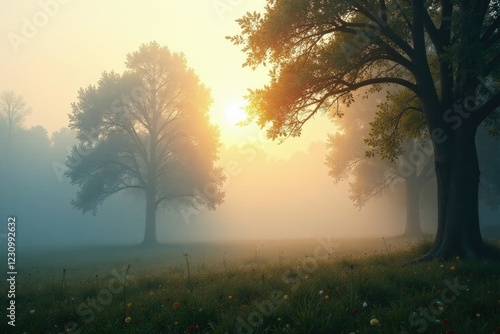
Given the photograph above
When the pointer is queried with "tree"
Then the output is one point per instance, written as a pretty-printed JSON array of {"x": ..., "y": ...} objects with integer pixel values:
[
  {"x": 13, "y": 112},
  {"x": 146, "y": 131},
  {"x": 444, "y": 52},
  {"x": 489, "y": 186},
  {"x": 372, "y": 177}
]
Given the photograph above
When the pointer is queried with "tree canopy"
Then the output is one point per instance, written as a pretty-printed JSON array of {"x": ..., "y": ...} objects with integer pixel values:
[
  {"x": 146, "y": 131},
  {"x": 445, "y": 53}
]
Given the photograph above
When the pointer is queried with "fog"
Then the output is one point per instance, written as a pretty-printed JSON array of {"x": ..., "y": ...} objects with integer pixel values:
[
  {"x": 264, "y": 199},
  {"x": 272, "y": 191}
]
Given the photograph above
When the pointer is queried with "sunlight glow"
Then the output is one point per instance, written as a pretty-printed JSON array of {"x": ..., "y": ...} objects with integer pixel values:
[{"x": 235, "y": 113}]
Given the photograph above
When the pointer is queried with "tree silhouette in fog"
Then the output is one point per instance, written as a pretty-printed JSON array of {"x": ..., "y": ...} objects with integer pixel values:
[
  {"x": 488, "y": 151},
  {"x": 13, "y": 111},
  {"x": 444, "y": 52},
  {"x": 147, "y": 132},
  {"x": 350, "y": 157},
  {"x": 354, "y": 154}
]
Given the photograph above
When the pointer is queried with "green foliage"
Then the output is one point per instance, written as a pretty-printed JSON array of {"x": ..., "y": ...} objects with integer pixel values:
[
  {"x": 321, "y": 52},
  {"x": 439, "y": 54},
  {"x": 399, "y": 119},
  {"x": 373, "y": 129}
]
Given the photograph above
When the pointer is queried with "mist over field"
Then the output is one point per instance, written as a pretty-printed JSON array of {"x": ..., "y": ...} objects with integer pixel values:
[{"x": 266, "y": 198}]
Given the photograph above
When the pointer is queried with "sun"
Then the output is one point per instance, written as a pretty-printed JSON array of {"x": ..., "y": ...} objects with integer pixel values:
[{"x": 235, "y": 113}]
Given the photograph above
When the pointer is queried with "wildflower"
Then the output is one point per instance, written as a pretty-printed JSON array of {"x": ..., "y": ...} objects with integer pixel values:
[
  {"x": 326, "y": 297},
  {"x": 444, "y": 322},
  {"x": 243, "y": 307},
  {"x": 285, "y": 297},
  {"x": 374, "y": 322},
  {"x": 452, "y": 268},
  {"x": 32, "y": 312},
  {"x": 458, "y": 257},
  {"x": 365, "y": 304},
  {"x": 151, "y": 293},
  {"x": 230, "y": 297},
  {"x": 437, "y": 321},
  {"x": 128, "y": 320},
  {"x": 279, "y": 319},
  {"x": 321, "y": 292},
  {"x": 442, "y": 266},
  {"x": 176, "y": 305},
  {"x": 176, "y": 323},
  {"x": 478, "y": 315},
  {"x": 129, "y": 305}
]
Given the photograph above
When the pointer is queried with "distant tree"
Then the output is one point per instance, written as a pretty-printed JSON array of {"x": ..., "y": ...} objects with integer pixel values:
[
  {"x": 146, "y": 131},
  {"x": 13, "y": 111},
  {"x": 371, "y": 177},
  {"x": 322, "y": 52},
  {"x": 488, "y": 150}
]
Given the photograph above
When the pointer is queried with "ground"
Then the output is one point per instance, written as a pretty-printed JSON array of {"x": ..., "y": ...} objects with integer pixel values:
[{"x": 302, "y": 286}]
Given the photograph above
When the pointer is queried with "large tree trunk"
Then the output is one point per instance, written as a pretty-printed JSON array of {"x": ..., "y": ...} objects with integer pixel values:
[
  {"x": 150, "y": 239},
  {"x": 457, "y": 173},
  {"x": 150, "y": 230},
  {"x": 413, "y": 228}
]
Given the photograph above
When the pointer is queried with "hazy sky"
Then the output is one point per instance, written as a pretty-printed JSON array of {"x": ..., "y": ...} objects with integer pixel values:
[{"x": 51, "y": 48}]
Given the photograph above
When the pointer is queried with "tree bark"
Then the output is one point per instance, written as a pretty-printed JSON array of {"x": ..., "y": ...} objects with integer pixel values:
[
  {"x": 412, "y": 228},
  {"x": 457, "y": 173},
  {"x": 150, "y": 228},
  {"x": 150, "y": 239}
]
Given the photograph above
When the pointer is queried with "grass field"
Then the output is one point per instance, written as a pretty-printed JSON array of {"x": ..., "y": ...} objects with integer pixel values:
[{"x": 301, "y": 286}]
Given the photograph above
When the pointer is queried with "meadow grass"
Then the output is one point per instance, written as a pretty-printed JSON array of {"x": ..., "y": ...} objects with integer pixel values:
[{"x": 370, "y": 292}]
